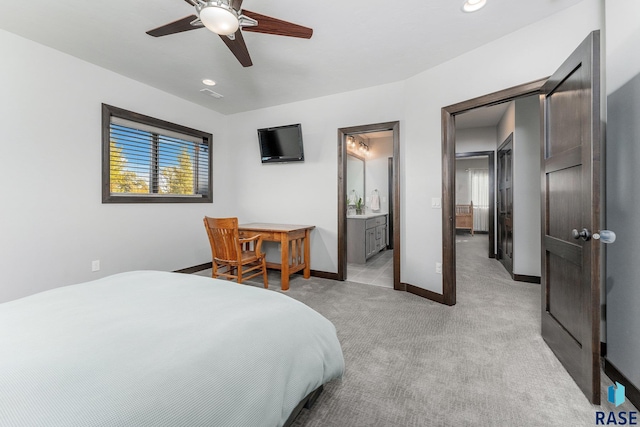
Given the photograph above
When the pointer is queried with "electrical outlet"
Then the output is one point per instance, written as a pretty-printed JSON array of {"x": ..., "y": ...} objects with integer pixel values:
[
  {"x": 439, "y": 267},
  {"x": 95, "y": 265}
]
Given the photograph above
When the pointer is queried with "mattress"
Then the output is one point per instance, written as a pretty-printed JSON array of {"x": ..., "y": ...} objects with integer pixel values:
[{"x": 150, "y": 348}]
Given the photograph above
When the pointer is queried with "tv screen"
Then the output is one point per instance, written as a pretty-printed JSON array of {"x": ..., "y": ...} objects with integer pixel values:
[{"x": 281, "y": 144}]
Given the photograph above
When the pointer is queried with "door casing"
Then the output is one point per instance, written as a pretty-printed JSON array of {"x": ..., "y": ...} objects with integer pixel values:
[
  {"x": 394, "y": 127},
  {"x": 448, "y": 115}
]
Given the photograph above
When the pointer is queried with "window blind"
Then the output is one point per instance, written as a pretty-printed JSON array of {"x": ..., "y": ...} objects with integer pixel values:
[{"x": 152, "y": 161}]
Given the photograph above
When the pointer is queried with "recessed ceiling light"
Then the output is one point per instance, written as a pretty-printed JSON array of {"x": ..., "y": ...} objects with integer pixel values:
[
  {"x": 473, "y": 5},
  {"x": 209, "y": 82}
]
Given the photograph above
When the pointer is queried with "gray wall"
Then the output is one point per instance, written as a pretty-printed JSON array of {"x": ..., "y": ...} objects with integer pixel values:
[
  {"x": 526, "y": 182},
  {"x": 622, "y": 194}
]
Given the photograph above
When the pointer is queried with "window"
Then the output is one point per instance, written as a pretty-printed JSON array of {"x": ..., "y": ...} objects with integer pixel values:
[{"x": 147, "y": 160}]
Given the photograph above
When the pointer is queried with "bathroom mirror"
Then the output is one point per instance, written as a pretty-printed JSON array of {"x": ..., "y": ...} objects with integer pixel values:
[{"x": 355, "y": 181}]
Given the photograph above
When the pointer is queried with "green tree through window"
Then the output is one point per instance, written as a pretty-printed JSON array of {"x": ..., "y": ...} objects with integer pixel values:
[
  {"x": 179, "y": 179},
  {"x": 124, "y": 181}
]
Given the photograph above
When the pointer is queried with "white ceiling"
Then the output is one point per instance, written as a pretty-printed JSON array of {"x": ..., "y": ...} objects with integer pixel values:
[
  {"x": 481, "y": 117},
  {"x": 355, "y": 44}
]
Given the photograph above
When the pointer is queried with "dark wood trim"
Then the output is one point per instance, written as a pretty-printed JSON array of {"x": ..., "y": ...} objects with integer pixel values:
[
  {"x": 195, "y": 268},
  {"x": 321, "y": 274},
  {"x": 491, "y": 156},
  {"x": 525, "y": 278},
  {"x": 425, "y": 293},
  {"x": 342, "y": 205},
  {"x": 342, "y": 194},
  {"x": 449, "y": 177},
  {"x": 208, "y": 265},
  {"x": 448, "y": 208},
  {"x": 631, "y": 391}
]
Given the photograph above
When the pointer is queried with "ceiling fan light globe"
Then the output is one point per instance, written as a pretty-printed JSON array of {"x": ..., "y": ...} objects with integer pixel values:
[
  {"x": 219, "y": 20},
  {"x": 473, "y": 5}
]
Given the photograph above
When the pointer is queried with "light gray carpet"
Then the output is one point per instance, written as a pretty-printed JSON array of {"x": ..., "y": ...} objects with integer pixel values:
[{"x": 412, "y": 362}]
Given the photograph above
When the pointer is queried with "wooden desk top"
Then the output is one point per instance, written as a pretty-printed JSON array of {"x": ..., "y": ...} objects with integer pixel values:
[{"x": 262, "y": 226}]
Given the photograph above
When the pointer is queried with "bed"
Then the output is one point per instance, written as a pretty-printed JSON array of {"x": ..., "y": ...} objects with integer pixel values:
[
  {"x": 464, "y": 217},
  {"x": 150, "y": 348}
]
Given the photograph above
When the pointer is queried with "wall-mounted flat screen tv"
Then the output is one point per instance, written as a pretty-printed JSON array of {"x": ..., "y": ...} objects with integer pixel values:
[{"x": 281, "y": 144}]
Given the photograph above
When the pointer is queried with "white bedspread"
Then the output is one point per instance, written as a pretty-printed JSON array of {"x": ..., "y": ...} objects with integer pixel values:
[{"x": 160, "y": 349}]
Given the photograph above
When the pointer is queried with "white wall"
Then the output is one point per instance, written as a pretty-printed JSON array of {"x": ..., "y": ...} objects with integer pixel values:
[
  {"x": 52, "y": 220},
  {"x": 526, "y": 187},
  {"x": 507, "y": 124},
  {"x": 476, "y": 139}
]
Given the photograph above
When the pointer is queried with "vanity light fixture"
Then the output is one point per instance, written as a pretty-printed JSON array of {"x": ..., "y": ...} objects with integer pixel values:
[
  {"x": 209, "y": 82},
  {"x": 473, "y": 5},
  {"x": 364, "y": 148}
]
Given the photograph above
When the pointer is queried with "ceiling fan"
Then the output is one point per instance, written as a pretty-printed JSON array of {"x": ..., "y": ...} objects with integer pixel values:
[{"x": 226, "y": 18}]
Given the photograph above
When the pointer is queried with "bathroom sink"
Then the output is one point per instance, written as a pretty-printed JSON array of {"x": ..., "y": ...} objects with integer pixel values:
[{"x": 366, "y": 216}]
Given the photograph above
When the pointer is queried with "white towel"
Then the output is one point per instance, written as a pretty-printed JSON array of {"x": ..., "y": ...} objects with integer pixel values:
[
  {"x": 375, "y": 202},
  {"x": 353, "y": 198}
]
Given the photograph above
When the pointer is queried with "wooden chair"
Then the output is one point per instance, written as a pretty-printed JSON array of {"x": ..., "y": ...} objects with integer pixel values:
[
  {"x": 464, "y": 217},
  {"x": 233, "y": 257}
]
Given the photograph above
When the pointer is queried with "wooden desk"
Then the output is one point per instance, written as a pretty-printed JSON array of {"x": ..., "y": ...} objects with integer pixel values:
[{"x": 296, "y": 259}]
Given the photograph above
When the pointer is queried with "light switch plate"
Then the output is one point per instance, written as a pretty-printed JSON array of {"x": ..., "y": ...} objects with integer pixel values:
[{"x": 435, "y": 203}]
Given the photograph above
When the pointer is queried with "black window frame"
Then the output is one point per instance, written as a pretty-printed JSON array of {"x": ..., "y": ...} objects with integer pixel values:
[{"x": 109, "y": 111}]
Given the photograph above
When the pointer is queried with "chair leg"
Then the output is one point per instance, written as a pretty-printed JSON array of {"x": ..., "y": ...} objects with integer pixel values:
[
  {"x": 239, "y": 274},
  {"x": 264, "y": 273}
]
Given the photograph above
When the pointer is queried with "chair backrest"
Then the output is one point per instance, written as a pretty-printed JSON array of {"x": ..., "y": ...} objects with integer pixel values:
[{"x": 223, "y": 236}]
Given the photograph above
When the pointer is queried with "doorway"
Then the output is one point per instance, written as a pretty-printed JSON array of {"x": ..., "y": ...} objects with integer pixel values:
[
  {"x": 448, "y": 174},
  {"x": 382, "y": 229},
  {"x": 477, "y": 168},
  {"x": 570, "y": 147}
]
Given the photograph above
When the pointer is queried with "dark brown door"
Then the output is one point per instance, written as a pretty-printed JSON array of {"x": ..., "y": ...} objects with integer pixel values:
[
  {"x": 570, "y": 213},
  {"x": 505, "y": 204}
]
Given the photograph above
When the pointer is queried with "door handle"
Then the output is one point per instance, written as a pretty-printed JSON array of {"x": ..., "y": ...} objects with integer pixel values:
[
  {"x": 583, "y": 234},
  {"x": 605, "y": 236}
]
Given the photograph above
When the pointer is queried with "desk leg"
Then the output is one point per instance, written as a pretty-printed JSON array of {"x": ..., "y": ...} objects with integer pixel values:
[
  {"x": 284, "y": 264},
  {"x": 307, "y": 255}
]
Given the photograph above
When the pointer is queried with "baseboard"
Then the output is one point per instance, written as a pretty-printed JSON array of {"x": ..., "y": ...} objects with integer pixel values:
[
  {"x": 195, "y": 268},
  {"x": 321, "y": 274},
  {"x": 631, "y": 392},
  {"x": 324, "y": 274},
  {"x": 525, "y": 278},
  {"x": 425, "y": 293}
]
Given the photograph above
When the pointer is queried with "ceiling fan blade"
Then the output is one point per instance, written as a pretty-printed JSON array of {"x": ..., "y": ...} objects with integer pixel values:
[
  {"x": 269, "y": 25},
  {"x": 238, "y": 48},
  {"x": 178, "y": 26}
]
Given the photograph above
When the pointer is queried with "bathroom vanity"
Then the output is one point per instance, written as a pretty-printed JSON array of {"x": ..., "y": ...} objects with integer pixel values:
[{"x": 366, "y": 236}]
